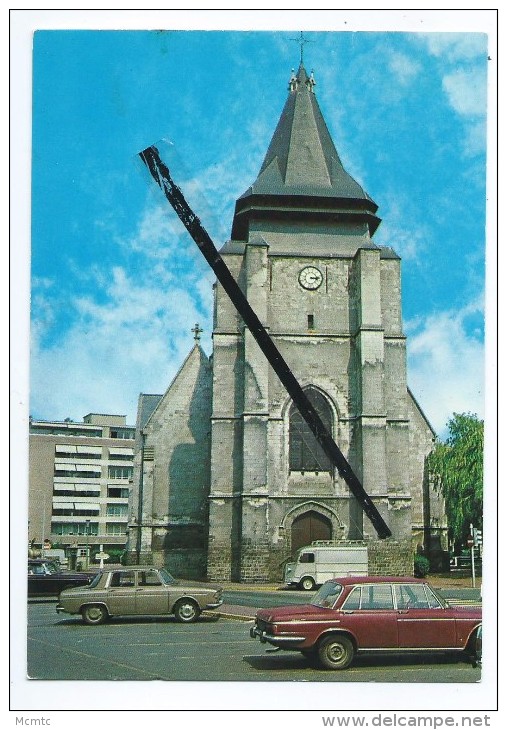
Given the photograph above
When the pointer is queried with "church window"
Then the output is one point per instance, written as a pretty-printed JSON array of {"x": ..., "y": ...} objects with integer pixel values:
[
  {"x": 305, "y": 453},
  {"x": 311, "y": 322}
]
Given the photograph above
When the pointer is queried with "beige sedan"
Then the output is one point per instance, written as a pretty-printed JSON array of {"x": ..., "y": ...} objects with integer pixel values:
[{"x": 139, "y": 591}]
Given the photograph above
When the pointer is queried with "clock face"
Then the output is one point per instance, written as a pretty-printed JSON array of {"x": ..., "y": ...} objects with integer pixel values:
[{"x": 310, "y": 277}]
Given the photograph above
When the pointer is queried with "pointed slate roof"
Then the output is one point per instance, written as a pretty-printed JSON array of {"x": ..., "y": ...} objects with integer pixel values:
[{"x": 302, "y": 171}]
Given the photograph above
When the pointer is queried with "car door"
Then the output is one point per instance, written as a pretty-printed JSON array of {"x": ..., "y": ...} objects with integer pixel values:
[
  {"x": 152, "y": 595},
  {"x": 369, "y": 613},
  {"x": 43, "y": 579},
  {"x": 423, "y": 623},
  {"x": 121, "y": 596}
]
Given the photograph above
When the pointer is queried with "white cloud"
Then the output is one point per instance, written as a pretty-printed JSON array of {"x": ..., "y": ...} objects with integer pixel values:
[
  {"x": 404, "y": 68},
  {"x": 466, "y": 91},
  {"x": 456, "y": 46},
  {"x": 109, "y": 356},
  {"x": 128, "y": 335},
  {"x": 465, "y": 86},
  {"x": 409, "y": 242},
  {"x": 446, "y": 365}
]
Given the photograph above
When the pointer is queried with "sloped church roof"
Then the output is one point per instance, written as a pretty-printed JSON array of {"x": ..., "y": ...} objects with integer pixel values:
[{"x": 302, "y": 172}]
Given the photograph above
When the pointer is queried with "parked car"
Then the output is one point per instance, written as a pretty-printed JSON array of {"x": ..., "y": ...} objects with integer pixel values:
[
  {"x": 136, "y": 591},
  {"x": 365, "y": 614},
  {"x": 46, "y": 578}
]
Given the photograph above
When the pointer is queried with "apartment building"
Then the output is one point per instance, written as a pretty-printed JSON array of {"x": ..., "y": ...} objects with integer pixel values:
[{"x": 80, "y": 477}]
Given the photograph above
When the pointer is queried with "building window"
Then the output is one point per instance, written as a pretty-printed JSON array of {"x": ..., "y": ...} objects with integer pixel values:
[
  {"x": 57, "y": 492},
  {"x": 120, "y": 472},
  {"x": 115, "y": 528},
  {"x": 71, "y": 452},
  {"x": 77, "y": 471},
  {"x": 123, "y": 433},
  {"x": 311, "y": 322},
  {"x": 64, "y": 431},
  {"x": 122, "y": 492},
  {"x": 305, "y": 453},
  {"x": 78, "y": 528},
  {"x": 75, "y": 509},
  {"x": 117, "y": 510}
]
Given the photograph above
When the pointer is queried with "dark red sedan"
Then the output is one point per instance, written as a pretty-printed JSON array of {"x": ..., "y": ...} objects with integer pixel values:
[{"x": 367, "y": 614}]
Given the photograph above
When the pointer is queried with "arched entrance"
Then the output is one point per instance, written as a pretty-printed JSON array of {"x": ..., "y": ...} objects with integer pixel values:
[{"x": 308, "y": 527}]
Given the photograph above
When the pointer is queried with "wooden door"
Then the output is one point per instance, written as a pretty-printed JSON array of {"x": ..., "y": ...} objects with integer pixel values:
[{"x": 308, "y": 527}]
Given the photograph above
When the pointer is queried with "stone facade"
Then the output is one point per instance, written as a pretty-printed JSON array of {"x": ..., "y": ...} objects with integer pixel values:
[
  {"x": 169, "y": 511},
  {"x": 236, "y": 482}
]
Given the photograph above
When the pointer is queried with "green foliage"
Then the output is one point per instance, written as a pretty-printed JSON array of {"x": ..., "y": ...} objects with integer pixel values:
[
  {"x": 421, "y": 566},
  {"x": 115, "y": 555},
  {"x": 456, "y": 470}
]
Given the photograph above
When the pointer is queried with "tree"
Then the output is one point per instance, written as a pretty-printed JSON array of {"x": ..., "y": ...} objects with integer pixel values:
[{"x": 456, "y": 470}]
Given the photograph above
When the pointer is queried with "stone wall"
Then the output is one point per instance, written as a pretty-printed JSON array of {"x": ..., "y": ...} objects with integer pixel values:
[
  {"x": 255, "y": 561},
  {"x": 390, "y": 557}
]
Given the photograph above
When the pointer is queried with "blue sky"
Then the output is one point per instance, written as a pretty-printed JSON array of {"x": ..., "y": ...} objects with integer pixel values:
[{"x": 116, "y": 283}]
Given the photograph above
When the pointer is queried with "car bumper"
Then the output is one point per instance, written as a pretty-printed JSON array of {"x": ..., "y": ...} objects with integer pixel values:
[
  {"x": 278, "y": 640},
  {"x": 210, "y": 606}
]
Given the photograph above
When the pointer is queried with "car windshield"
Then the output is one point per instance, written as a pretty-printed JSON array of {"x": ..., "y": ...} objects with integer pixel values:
[
  {"x": 327, "y": 594},
  {"x": 166, "y": 577},
  {"x": 95, "y": 580},
  {"x": 51, "y": 568}
]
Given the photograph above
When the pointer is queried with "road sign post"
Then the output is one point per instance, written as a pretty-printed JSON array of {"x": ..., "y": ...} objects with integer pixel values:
[{"x": 472, "y": 553}]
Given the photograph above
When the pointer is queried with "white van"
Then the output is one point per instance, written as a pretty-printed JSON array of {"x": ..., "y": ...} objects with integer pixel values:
[{"x": 319, "y": 562}]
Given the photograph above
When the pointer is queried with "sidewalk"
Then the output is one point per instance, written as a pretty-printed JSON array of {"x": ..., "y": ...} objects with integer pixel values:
[
  {"x": 455, "y": 585},
  {"x": 439, "y": 580}
]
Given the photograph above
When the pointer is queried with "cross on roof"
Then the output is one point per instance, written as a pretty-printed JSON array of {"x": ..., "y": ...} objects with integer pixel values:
[
  {"x": 301, "y": 40},
  {"x": 197, "y": 331}
]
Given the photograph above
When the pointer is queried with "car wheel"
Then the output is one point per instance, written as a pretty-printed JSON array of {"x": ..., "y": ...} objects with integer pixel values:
[
  {"x": 94, "y": 614},
  {"x": 307, "y": 584},
  {"x": 336, "y": 652},
  {"x": 473, "y": 649},
  {"x": 186, "y": 611}
]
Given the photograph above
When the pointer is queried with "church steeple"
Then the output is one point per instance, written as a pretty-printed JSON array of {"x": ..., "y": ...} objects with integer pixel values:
[{"x": 302, "y": 171}]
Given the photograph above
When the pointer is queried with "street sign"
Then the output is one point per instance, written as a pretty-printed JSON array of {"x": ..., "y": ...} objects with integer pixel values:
[{"x": 101, "y": 556}]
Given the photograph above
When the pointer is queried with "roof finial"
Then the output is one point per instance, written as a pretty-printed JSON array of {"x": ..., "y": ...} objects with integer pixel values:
[
  {"x": 301, "y": 40},
  {"x": 310, "y": 83},
  {"x": 293, "y": 82},
  {"x": 197, "y": 332}
]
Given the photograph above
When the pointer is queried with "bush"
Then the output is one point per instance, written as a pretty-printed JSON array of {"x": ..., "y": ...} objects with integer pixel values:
[{"x": 421, "y": 566}]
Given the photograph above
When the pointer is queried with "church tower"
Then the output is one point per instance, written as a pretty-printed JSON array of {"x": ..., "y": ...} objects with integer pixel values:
[{"x": 302, "y": 251}]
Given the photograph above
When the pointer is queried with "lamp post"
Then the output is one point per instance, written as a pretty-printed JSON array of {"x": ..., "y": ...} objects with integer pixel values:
[{"x": 87, "y": 527}]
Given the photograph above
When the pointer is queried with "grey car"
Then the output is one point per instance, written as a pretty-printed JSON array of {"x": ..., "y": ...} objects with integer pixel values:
[{"x": 139, "y": 591}]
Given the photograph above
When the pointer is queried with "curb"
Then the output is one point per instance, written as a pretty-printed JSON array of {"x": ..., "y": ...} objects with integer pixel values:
[
  {"x": 234, "y": 612},
  {"x": 234, "y": 616}
]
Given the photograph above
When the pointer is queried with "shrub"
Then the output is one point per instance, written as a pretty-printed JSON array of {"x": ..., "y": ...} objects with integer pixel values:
[{"x": 421, "y": 566}]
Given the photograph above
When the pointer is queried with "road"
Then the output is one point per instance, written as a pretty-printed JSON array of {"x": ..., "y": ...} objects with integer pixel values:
[{"x": 213, "y": 649}]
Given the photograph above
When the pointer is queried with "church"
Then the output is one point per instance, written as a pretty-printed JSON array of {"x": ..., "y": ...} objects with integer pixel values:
[{"x": 229, "y": 481}]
